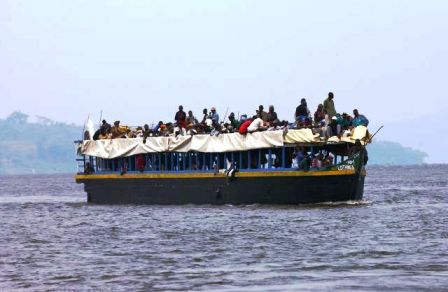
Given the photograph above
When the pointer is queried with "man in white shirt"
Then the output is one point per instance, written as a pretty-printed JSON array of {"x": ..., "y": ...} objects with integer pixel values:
[{"x": 257, "y": 125}]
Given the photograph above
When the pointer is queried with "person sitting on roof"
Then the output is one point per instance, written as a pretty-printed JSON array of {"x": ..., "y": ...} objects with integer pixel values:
[
  {"x": 234, "y": 123},
  {"x": 164, "y": 130},
  {"x": 302, "y": 114},
  {"x": 257, "y": 124},
  {"x": 272, "y": 115},
  {"x": 206, "y": 123},
  {"x": 191, "y": 119},
  {"x": 180, "y": 117},
  {"x": 319, "y": 114},
  {"x": 119, "y": 131},
  {"x": 359, "y": 120},
  {"x": 104, "y": 135},
  {"x": 155, "y": 131},
  {"x": 244, "y": 125},
  {"x": 339, "y": 124},
  {"x": 147, "y": 132},
  {"x": 263, "y": 114},
  {"x": 205, "y": 116},
  {"x": 106, "y": 127},
  {"x": 96, "y": 135},
  {"x": 325, "y": 126}
]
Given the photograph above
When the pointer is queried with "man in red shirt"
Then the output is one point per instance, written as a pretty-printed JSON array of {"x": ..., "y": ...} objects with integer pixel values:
[{"x": 244, "y": 126}]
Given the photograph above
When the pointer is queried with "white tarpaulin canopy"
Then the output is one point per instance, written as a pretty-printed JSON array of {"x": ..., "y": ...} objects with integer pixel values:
[{"x": 113, "y": 148}]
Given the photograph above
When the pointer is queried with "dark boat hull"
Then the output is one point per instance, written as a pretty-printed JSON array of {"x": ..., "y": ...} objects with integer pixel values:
[{"x": 253, "y": 189}]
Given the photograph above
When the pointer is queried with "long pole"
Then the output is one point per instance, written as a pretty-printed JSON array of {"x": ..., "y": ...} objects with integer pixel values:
[
  {"x": 371, "y": 137},
  {"x": 227, "y": 110},
  {"x": 101, "y": 117}
]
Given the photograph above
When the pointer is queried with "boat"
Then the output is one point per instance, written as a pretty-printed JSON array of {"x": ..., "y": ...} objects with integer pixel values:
[{"x": 256, "y": 168}]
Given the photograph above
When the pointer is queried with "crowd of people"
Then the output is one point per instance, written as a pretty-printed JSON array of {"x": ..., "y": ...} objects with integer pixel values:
[{"x": 325, "y": 121}]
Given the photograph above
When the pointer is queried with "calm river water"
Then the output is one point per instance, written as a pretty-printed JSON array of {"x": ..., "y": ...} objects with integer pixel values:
[{"x": 396, "y": 239}]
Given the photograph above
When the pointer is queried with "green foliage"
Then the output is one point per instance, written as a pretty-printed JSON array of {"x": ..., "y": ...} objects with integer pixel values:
[
  {"x": 391, "y": 153},
  {"x": 42, "y": 147}
]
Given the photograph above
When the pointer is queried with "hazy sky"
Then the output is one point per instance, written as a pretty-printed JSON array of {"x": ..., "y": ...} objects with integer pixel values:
[{"x": 138, "y": 60}]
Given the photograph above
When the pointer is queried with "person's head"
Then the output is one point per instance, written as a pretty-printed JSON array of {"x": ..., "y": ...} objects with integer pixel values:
[
  {"x": 320, "y": 107},
  {"x": 303, "y": 101},
  {"x": 231, "y": 116},
  {"x": 204, "y": 111},
  {"x": 104, "y": 122},
  {"x": 190, "y": 113},
  {"x": 116, "y": 123},
  {"x": 260, "y": 108},
  {"x": 181, "y": 107},
  {"x": 146, "y": 127},
  {"x": 355, "y": 112},
  {"x": 330, "y": 95},
  {"x": 271, "y": 108},
  {"x": 213, "y": 109}
]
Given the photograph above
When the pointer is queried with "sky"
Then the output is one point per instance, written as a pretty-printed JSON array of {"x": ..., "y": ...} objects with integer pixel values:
[{"x": 137, "y": 61}]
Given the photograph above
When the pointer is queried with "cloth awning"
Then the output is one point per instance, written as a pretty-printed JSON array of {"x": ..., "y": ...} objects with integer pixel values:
[{"x": 123, "y": 147}]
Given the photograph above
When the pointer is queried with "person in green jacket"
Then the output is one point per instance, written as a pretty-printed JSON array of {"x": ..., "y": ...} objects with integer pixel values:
[{"x": 329, "y": 105}]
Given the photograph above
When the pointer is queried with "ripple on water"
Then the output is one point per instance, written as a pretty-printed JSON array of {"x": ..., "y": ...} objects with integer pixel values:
[{"x": 51, "y": 239}]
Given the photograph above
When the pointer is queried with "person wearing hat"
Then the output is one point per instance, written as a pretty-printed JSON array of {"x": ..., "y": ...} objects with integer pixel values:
[{"x": 329, "y": 105}]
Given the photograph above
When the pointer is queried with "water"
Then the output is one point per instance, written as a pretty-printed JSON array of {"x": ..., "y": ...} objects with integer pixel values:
[{"x": 397, "y": 238}]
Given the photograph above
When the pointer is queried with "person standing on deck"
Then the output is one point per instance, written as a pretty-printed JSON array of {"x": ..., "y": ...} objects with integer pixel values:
[
  {"x": 214, "y": 116},
  {"x": 181, "y": 117},
  {"x": 329, "y": 105}
]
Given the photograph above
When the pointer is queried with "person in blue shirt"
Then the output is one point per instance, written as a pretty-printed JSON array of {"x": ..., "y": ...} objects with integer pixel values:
[
  {"x": 359, "y": 120},
  {"x": 214, "y": 115}
]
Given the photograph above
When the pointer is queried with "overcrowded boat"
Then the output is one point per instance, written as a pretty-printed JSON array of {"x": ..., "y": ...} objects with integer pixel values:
[{"x": 286, "y": 166}]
